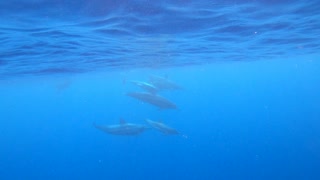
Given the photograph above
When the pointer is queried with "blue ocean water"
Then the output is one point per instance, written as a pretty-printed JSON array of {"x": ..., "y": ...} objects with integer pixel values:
[{"x": 248, "y": 107}]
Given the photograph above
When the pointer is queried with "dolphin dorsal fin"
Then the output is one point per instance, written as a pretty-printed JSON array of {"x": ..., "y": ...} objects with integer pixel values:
[{"x": 122, "y": 121}]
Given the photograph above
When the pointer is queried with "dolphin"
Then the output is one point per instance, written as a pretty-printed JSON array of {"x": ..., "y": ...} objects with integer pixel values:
[
  {"x": 146, "y": 86},
  {"x": 153, "y": 99},
  {"x": 123, "y": 128},
  {"x": 162, "y": 127},
  {"x": 163, "y": 83}
]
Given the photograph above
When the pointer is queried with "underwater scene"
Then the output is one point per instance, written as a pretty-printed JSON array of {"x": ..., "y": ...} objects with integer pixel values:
[{"x": 173, "y": 89}]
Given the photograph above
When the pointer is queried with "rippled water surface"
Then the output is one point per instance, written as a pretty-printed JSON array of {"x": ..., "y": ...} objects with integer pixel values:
[{"x": 50, "y": 36}]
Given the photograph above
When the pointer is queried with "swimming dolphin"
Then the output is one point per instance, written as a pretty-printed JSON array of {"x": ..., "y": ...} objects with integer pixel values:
[
  {"x": 153, "y": 99},
  {"x": 163, "y": 83},
  {"x": 162, "y": 127},
  {"x": 123, "y": 128},
  {"x": 146, "y": 86}
]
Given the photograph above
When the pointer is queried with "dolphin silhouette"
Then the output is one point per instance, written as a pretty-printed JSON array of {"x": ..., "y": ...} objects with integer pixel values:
[
  {"x": 163, "y": 83},
  {"x": 123, "y": 128},
  {"x": 146, "y": 86},
  {"x": 162, "y": 127},
  {"x": 153, "y": 99}
]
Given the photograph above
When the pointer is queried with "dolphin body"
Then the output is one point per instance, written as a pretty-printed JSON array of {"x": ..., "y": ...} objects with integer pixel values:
[
  {"x": 162, "y": 127},
  {"x": 153, "y": 99},
  {"x": 123, "y": 128},
  {"x": 146, "y": 86},
  {"x": 163, "y": 83}
]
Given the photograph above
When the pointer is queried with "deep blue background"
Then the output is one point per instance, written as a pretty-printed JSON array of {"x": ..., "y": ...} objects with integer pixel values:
[{"x": 257, "y": 120}]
